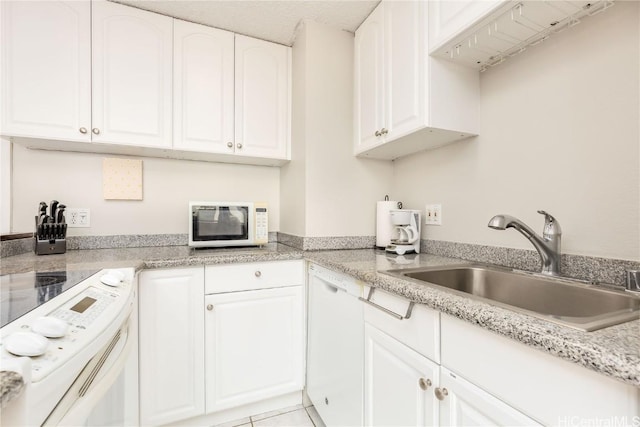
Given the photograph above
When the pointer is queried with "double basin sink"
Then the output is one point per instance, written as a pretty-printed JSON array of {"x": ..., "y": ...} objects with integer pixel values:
[{"x": 563, "y": 301}]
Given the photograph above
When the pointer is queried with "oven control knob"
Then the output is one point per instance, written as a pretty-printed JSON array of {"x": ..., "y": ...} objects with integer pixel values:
[
  {"x": 110, "y": 279},
  {"x": 50, "y": 327},
  {"x": 26, "y": 344}
]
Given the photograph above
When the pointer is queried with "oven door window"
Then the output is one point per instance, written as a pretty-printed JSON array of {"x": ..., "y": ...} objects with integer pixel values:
[{"x": 220, "y": 223}]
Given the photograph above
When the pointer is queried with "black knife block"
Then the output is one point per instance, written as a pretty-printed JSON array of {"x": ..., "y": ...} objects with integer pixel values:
[{"x": 50, "y": 238}]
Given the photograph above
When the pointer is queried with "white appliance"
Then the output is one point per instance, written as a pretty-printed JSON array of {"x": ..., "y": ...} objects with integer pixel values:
[
  {"x": 220, "y": 224},
  {"x": 335, "y": 347},
  {"x": 76, "y": 348},
  {"x": 384, "y": 227},
  {"x": 406, "y": 232}
]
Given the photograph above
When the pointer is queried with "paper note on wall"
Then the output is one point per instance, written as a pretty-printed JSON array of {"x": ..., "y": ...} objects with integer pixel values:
[{"x": 122, "y": 179}]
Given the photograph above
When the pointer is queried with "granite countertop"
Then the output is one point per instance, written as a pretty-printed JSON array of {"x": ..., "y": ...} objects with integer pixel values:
[{"x": 613, "y": 351}]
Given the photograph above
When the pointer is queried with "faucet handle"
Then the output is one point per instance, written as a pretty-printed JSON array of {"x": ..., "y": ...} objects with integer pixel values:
[{"x": 551, "y": 225}]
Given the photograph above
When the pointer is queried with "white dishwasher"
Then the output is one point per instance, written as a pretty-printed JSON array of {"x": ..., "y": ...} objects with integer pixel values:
[{"x": 335, "y": 358}]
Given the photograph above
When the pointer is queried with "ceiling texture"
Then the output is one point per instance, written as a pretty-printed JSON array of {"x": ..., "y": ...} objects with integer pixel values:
[{"x": 272, "y": 20}]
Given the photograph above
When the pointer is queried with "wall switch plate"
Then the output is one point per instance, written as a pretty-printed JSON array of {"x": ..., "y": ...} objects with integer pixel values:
[
  {"x": 78, "y": 217},
  {"x": 433, "y": 214}
]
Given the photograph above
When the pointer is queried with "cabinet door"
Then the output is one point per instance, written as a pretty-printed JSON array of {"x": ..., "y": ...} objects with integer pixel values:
[
  {"x": 171, "y": 345},
  {"x": 132, "y": 76},
  {"x": 46, "y": 69},
  {"x": 398, "y": 383},
  {"x": 405, "y": 58},
  {"x": 203, "y": 88},
  {"x": 369, "y": 81},
  {"x": 464, "y": 404},
  {"x": 262, "y": 98},
  {"x": 254, "y": 346}
]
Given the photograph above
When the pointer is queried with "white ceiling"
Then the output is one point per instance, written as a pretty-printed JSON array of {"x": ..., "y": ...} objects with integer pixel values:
[{"x": 273, "y": 20}]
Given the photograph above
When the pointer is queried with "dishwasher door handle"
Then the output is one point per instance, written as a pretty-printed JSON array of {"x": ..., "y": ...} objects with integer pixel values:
[{"x": 386, "y": 310}]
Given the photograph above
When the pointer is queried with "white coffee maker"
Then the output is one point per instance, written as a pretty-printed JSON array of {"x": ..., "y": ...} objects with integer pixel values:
[{"x": 405, "y": 237}]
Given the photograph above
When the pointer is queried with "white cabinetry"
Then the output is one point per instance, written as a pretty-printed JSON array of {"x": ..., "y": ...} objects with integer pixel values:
[
  {"x": 448, "y": 18},
  {"x": 398, "y": 383},
  {"x": 46, "y": 69},
  {"x": 464, "y": 404},
  {"x": 132, "y": 76},
  {"x": 548, "y": 389},
  {"x": 172, "y": 385},
  {"x": 203, "y": 88},
  {"x": 262, "y": 98},
  {"x": 406, "y": 101},
  {"x": 255, "y": 335}
]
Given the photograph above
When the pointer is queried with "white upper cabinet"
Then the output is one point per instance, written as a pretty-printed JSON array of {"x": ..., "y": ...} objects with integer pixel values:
[
  {"x": 46, "y": 69},
  {"x": 132, "y": 76},
  {"x": 369, "y": 80},
  {"x": 406, "y": 101},
  {"x": 262, "y": 98},
  {"x": 447, "y": 18},
  {"x": 203, "y": 88}
]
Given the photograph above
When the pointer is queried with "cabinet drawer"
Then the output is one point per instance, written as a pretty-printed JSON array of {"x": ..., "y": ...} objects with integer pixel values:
[
  {"x": 421, "y": 331},
  {"x": 255, "y": 275}
]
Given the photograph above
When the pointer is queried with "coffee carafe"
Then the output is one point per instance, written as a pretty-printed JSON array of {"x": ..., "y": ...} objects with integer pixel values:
[{"x": 405, "y": 237}]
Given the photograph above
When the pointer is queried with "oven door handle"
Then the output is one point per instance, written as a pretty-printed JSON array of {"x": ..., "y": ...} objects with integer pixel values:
[{"x": 93, "y": 382}]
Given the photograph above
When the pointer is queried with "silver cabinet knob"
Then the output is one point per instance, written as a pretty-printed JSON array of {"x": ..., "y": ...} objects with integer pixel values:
[
  {"x": 424, "y": 384},
  {"x": 83, "y": 130},
  {"x": 230, "y": 144},
  {"x": 238, "y": 145},
  {"x": 96, "y": 131},
  {"x": 258, "y": 273},
  {"x": 377, "y": 133},
  {"x": 441, "y": 393},
  {"x": 384, "y": 131},
  {"x": 209, "y": 307}
]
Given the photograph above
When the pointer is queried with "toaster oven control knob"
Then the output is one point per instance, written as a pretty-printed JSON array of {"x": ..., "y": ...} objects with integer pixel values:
[
  {"x": 50, "y": 327},
  {"x": 230, "y": 144},
  {"x": 26, "y": 344}
]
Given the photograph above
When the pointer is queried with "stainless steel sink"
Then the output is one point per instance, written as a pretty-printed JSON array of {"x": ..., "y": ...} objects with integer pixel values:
[{"x": 563, "y": 301}]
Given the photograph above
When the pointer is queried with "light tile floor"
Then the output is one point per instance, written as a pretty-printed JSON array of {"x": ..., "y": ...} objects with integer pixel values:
[{"x": 294, "y": 416}]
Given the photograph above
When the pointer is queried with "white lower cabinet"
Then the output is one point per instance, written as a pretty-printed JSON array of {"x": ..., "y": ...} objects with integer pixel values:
[
  {"x": 464, "y": 404},
  {"x": 398, "y": 383},
  {"x": 171, "y": 334},
  {"x": 254, "y": 345}
]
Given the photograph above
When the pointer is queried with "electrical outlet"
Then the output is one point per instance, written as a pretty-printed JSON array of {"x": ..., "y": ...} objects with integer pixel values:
[
  {"x": 433, "y": 214},
  {"x": 78, "y": 217}
]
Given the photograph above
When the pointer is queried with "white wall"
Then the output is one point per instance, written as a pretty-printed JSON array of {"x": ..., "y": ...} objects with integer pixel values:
[
  {"x": 560, "y": 132},
  {"x": 340, "y": 190},
  {"x": 168, "y": 185}
]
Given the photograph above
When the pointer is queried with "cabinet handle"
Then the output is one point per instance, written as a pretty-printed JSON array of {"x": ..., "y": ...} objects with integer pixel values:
[
  {"x": 96, "y": 131},
  {"x": 424, "y": 384},
  {"x": 377, "y": 133},
  {"x": 258, "y": 273},
  {"x": 83, "y": 130},
  {"x": 209, "y": 307},
  {"x": 384, "y": 131},
  {"x": 441, "y": 393},
  {"x": 238, "y": 146},
  {"x": 230, "y": 144}
]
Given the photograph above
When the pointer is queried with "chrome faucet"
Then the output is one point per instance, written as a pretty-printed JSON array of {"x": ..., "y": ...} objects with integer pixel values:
[{"x": 548, "y": 246}]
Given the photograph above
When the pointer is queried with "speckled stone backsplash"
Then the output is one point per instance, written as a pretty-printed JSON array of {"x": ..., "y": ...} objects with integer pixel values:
[
  {"x": 327, "y": 243},
  {"x": 599, "y": 270}
]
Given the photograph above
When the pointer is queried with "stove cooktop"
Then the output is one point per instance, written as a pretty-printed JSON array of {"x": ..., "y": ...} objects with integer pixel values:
[{"x": 22, "y": 292}]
